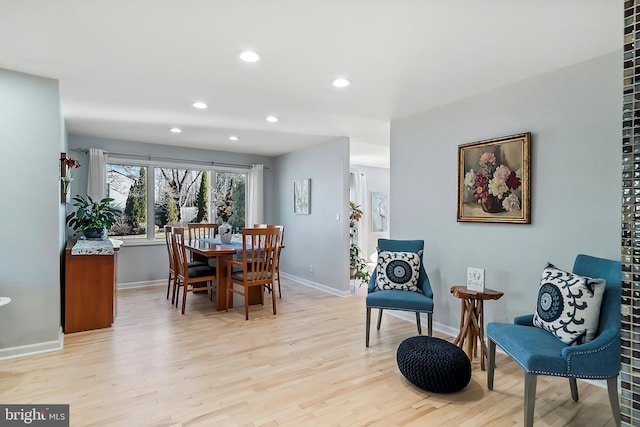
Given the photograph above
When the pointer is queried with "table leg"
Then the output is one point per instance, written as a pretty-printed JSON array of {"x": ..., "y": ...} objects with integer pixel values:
[
  {"x": 471, "y": 335},
  {"x": 483, "y": 346},
  {"x": 221, "y": 282},
  {"x": 459, "y": 341}
]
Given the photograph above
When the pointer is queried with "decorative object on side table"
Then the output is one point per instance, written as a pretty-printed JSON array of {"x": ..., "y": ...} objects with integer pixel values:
[
  {"x": 68, "y": 165},
  {"x": 92, "y": 218},
  {"x": 224, "y": 212},
  {"x": 475, "y": 279},
  {"x": 493, "y": 180},
  {"x": 357, "y": 264}
]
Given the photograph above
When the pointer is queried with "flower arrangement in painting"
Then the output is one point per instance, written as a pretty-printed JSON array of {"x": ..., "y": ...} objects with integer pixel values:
[
  {"x": 494, "y": 185},
  {"x": 224, "y": 209}
]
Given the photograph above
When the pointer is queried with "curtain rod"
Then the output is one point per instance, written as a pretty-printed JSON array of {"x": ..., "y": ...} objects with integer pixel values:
[{"x": 169, "y": 159}]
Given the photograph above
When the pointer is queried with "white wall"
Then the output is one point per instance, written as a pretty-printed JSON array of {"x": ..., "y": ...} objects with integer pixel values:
[
  {"x": 31, "y": 134},
  {"x": 574, "y": 115},
  {"x": 318, "y": 239}
]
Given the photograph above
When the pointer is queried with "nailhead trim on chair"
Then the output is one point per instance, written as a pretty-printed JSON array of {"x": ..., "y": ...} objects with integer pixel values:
[{"x": 554, "y": 374}]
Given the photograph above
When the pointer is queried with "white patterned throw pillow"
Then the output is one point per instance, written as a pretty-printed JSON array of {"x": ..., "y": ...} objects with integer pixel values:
[
  {"x": 569, "y": 305},
  {"x": 398, "y": 270}
]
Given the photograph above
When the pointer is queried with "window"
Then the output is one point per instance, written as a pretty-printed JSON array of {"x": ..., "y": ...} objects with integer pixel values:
[
  {"x": 127, "y": 185},
  {"x": 181, "y": 196},
  {"x": 178, "y": 196},
  {"x": 230, "y": 188}
]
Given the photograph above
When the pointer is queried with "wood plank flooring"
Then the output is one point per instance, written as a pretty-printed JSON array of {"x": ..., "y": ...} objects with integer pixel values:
[{"x": 306, "y": 366}]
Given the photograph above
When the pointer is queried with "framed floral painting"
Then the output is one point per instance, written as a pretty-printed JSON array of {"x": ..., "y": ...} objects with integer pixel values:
[{"x": 493, "y": 180}]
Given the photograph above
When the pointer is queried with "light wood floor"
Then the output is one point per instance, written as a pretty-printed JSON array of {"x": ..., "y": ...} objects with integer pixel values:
[{"x": 307, "y": 366}]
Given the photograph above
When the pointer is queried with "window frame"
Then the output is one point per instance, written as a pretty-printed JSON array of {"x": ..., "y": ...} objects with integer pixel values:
[{"x": 151, "y": 166}]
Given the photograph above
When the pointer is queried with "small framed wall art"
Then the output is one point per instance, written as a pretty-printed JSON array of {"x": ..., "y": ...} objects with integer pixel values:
[{"x": 301, "y": 196}]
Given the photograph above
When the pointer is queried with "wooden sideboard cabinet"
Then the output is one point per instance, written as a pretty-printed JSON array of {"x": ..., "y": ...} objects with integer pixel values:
[{"x": 90, "y": 290}]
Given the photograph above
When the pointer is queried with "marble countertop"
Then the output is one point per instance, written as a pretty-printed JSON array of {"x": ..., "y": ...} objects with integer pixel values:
[{"x": 95, "y": 247}]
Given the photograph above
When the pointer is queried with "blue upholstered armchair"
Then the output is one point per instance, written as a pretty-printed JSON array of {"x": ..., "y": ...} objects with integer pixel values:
[
  {"x": 539, "y": 352},
  {"x": 418, "y": 302}
]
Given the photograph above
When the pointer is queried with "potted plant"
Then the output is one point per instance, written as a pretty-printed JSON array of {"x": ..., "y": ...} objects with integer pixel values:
[
  {"x": 357, "y": 264},
  {"x": 93, "y": 218}
]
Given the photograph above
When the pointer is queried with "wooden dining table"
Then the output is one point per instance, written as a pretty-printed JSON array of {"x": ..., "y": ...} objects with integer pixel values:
[{"x": 203, "y": 249}]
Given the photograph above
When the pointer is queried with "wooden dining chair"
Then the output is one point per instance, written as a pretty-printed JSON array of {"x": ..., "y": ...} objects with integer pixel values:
[
  {"x": 168, "y": 231},
  {"x": 186, "y": 275},
  {"x": 277, "y": 259},
  {"x": 202, "y": 230},
  {"x": 257, "y": 267}
]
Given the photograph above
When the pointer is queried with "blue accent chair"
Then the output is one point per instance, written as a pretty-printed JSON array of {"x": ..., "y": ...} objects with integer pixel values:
[
  {"x": 538, "y": 352},
  {"x": 418, "y": 302}
]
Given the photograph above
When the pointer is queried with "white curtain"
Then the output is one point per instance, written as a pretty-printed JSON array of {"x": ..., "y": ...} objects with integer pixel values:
[
  {"x": 97, "y": 182},
  {"x": 358, "y": 191},
  {"x": 255, "y": 195}
]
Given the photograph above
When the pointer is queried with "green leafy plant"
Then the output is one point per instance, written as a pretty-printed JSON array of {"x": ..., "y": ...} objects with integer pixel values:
[
  {"x": 357, "y": 264},
  {"x": 91, "y": 214}
]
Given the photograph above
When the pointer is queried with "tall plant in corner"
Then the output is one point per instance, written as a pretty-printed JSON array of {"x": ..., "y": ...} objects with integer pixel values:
[{"x": 357, "y": 264}]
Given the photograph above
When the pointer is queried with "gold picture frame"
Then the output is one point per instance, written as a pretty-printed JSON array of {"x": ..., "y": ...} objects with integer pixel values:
[{"x": 494, "y": 180}]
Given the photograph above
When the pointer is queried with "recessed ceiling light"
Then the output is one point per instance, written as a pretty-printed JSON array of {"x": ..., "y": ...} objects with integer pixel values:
[
  {"x": 233, "y": 138},
  {"x": 272, "y": 119},
  {"x": 249, "y": 56},
  {"x": 341, "y": 82},
  {"x": 199, "y": 105},
  {"x": 175, "y": 130}
]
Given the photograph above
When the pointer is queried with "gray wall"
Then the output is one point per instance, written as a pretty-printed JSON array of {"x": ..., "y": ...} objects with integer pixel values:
[
  {"x": 378, "y": 179},
  {"x": 318, "y": 239},
  {"x": 32, "y": 138},
  {"x": 574, "y": 115},
  {"x": 140, "y": 264}
]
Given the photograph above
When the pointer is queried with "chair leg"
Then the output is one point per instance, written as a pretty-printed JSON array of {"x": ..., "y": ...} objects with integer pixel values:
[
  {"x": 175, "y": 297},
  {"x": 273, "y": 299},
  {"x": 430, "y": 324},
  {"x": 573, "y": 385},
  {"x": 379, "y": 318},
  {"x": 169, "y": 284},
  {"x": 612, "y": 388},
  {"x": 418, "y": 323},
  {"x": 491, "y": 364},
  {"x": 184, "y": 296},
  {"x": 368, "y": 325},
  {"x": 246, "y": 304},
  {"x": 529, "y": 398},
  {"x": 279, "y": 287}
]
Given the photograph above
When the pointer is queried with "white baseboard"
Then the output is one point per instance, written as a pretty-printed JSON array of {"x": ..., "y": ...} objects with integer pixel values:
[
  {"x": 32, "y": 349},
  {"x": 315, "y": 285},
  {"x": 143, "y": 284}
]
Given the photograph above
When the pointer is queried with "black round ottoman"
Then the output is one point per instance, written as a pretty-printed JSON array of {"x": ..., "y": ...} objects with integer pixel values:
[{"x": 434, "y": 364}]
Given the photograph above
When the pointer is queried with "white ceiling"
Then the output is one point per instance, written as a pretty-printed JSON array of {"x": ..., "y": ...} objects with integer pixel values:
[{"x": 130, "y": 69}]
